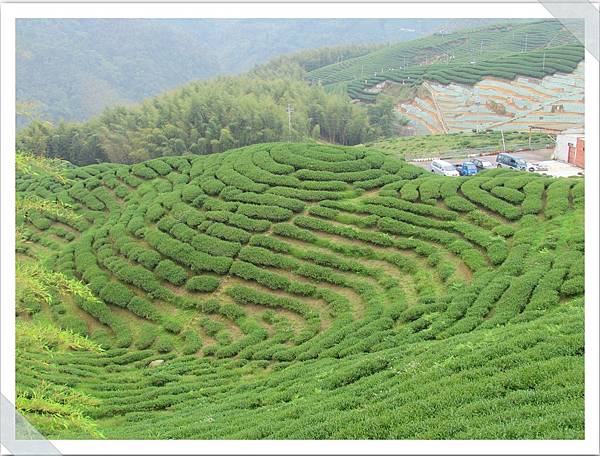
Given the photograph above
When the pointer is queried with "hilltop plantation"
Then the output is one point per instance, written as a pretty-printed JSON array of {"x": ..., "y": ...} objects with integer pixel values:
[{"x": 298, "y": 291}]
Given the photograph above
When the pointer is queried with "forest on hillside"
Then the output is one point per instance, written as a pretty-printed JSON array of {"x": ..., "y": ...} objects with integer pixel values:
[
  {"x": 211, "y": 116},
  {"x": 71, "y": 69}
]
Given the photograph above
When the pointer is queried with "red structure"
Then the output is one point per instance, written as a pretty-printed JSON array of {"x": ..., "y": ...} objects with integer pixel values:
[{"x": 577, "y": 153}]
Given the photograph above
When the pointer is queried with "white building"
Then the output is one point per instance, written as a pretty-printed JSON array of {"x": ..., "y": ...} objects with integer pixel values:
[{"x": 564, "y": 140}]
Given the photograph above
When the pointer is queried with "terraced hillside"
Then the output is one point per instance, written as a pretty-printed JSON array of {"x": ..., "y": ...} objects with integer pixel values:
[
  {"x": 505, "y": 76},
  {"x": 453, "y": 145},
  {"x": 299, "y": 291},
  {"x": 555, "y": 102},
  {"x": 502, "y": 49}
]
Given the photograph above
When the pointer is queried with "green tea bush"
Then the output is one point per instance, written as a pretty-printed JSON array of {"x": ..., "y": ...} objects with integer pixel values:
[
  {"x": 573, "y": 286},
  {"x": 165, "y": 343},
  {"x": 509, "y": 194},
  {"x": 159, "y": 166},
  {"x": 204, "y": 284},
  {"x": 214, "y": 245},
  {"x": 557, "y": 202},
  {"x": 116, "y": 293},
  {"x": 471, "y": 189},
  {"x": 73, "y": 323},
  {"x": 458, "y": 203},
  {"x": 356, "y": 372},
  {"x": 143, "y": 171},
  {"x": 191, "y": 342},
  {"x": 142, "y": 308},
  {"x": 171, "y": 272},
  {"x": 146, "y": 337},
  {"x": 171, "y": 324},
  {"x": 228, "y": 233},
  {"x": 272, "y": 213},
  {"x": 155, "y": 212}
]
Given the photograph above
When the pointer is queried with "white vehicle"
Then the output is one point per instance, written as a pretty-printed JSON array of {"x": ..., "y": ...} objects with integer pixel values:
[
  {"x": 444, "y": 168},
  {"x": 536, "y": 167},
  {"x": 482, "y": 164}
]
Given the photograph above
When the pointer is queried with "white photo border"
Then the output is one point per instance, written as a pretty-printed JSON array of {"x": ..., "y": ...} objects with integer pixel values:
[{"x": 12, "y": 11}]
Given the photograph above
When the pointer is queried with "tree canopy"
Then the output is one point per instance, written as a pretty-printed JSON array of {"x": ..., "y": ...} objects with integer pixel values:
[{"x": 205, "y": 117}]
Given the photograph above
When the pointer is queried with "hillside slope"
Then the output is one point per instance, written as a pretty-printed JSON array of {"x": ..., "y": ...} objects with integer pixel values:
[
  {"x": 432, "y": 56},
  {"x": 74, "y": 68},
  {"x": 555, "y": 102},
  {"x": 205, "y": 117},
  {"x": 300, "y": 291},
  {"x": 507, "y": 76}
]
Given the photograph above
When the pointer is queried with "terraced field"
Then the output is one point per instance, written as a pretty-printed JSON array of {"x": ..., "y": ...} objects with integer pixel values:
[
  {"x": 507, "y": 76},
  {"x": 300, "y": 291},
  {"x": 555, "y": 102},
  {"x": 456, "y": 145},
  {"x": 464, "y": 56}
]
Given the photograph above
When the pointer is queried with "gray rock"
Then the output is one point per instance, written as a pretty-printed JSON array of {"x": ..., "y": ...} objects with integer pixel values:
[{"x": 156, "y": 362}]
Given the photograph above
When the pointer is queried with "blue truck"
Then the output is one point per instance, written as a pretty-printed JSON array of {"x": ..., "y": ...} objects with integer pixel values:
[{"x": 467, "y": 168}]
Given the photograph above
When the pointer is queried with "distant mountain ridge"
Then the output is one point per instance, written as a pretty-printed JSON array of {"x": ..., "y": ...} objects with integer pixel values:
[{"x": 74, "y": 68}]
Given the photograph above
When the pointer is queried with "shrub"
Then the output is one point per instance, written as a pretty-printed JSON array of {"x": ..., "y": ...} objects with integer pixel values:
[
  {"x": 102, "y": 337},
  {"x": 141, "y": 170},
  {"x": 228, "y": 233},
  {"x": 171, "y": 272},
  {"x": 142, "y": 308},
  {"x": 503, "y": 230},
  {"x": 149, "y": 258},
  {"x": 73, "y": 323},
  {"x": 471, "y": 189},
  {"x": 191, "y": 342},
  {"x": 146, "y": 336},
  {"x": 190, "y": 192},
  {"x": 284, "y": 229},
  {"x": 458, "y": 203},
  {"x": 215, "y": 246},
  {"x": 270, "y": 243},
  {"x": 155, "y": 211},
  {"x": 165, "y": 343},
  {"x": 231, "y": 311},
  {"x": 171, "y": 324},
  {"x": 186, "y": 255},
  {"x": 159, "y": 166},
  {"x": 39, "y": 221},
  {"x": 272, "y": 213},
  {"x": 557, "y": 202},
  {"x": 205, "y": 284},
  {"x": 249, "y": 271},
  {"x": 573, "y": 286},
  {"x": 508, "y": 194},
  {"x": 116, "y": 293},
  {"x": 355, "y": 372}
]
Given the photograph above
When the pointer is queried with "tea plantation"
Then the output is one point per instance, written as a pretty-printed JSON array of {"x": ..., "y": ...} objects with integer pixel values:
[
  {"x": 460, "y": 144},
  {"x": 298, "y": 291},
  {"x": 507, "y": 50}
]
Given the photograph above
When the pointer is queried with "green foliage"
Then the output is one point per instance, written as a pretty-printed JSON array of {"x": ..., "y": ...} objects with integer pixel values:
[
  {"x": 146, "y": 337},
  {"x": 201, "y": 118},
  {"x": 427, "y": 59},
  {"x": 164, "y": 343},
  {"x": 355, "y": 372},
  {"x": 192, "y": 342},
  {"x": 408, "y": 290},
  {"x": 171, "y": 272},
  {"x": 205, "y": 284}
]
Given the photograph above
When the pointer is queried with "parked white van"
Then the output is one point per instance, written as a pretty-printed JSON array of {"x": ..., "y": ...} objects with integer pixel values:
[{"x": 444, "y": 168}]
